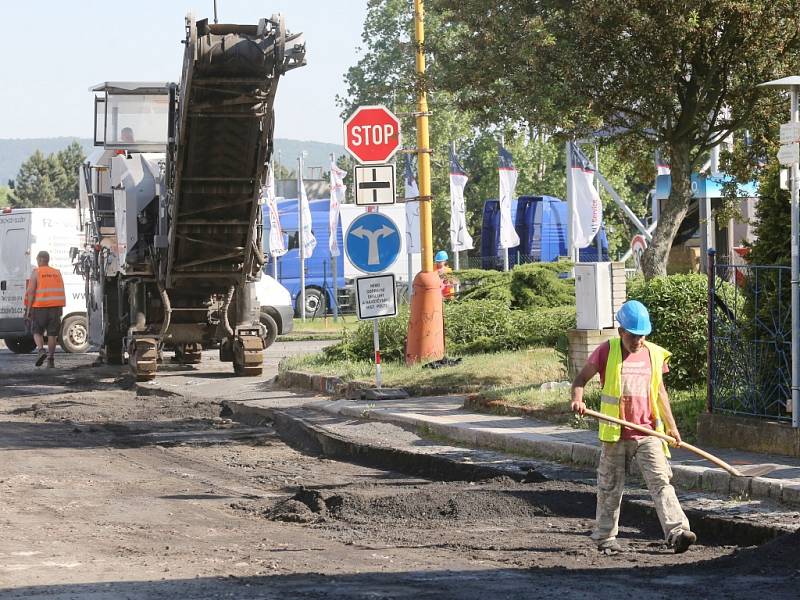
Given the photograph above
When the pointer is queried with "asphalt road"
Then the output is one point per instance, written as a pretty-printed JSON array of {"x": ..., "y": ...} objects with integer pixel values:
[{"x": 112, "y": 490}]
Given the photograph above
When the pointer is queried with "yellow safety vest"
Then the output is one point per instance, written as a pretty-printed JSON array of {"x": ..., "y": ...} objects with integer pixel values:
[{"x": 612, "y": 388}]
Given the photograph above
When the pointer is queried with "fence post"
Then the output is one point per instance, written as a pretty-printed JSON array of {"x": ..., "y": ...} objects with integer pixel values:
[{"x": 711, "y": 272}]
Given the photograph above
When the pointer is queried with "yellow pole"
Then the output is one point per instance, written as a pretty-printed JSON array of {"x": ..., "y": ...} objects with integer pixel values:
[
  {"x": 425, "y": 339},
  {"x": 423, "y": 142}
]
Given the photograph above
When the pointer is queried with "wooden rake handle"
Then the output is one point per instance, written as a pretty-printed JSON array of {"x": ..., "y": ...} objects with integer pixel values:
[{"x": 667, "y": 438}]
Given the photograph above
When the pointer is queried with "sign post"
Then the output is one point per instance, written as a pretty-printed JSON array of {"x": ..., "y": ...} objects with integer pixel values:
[
  {"x": 789, "y": 157},
  {"x": 376, "y": 298}
]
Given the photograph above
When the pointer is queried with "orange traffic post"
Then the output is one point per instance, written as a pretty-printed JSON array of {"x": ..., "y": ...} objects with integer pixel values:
[{"x": 425, "y": 339}]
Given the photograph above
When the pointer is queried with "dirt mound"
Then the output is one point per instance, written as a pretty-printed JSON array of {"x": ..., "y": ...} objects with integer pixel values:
[
  {"x": 781, "y": 556},
  {"x": 439, "y": 503}
]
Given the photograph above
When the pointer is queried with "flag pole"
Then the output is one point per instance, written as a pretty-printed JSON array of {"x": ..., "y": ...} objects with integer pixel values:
[
  {"x": 300, "y": 251},
  {"x": 334, "y": 259},
  {"x": 274, "y": 257},
  {"x": 599, "y": 243},
  {"x": 570, "y": 205},
  {"x": 456, "y": 263}
]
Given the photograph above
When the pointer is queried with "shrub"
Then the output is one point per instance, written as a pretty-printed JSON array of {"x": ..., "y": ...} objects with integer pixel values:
[
  {"x": 542, "y": 327},
  {"x": 477, "y": 284},
  {"x": 537, "y": 285},
  {"x": 358, "y": 344},
  {"x": 478, "y": 326},
  {"x": 678, "y": 311}
]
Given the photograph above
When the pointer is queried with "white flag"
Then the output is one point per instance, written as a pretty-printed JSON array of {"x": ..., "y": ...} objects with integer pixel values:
[
  {"x": 588, "y": 209},
  {"x": 413, "y": 243},
  {"x": 459, "y": 236},
  {"x": 508, "y": 185},
  {"x": 309, "y": 241},
  {"x": 276, "y": 247},
  {"x": 338, "y": 190}
]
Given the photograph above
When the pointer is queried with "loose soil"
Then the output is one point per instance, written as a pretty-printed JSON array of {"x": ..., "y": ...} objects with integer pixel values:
[{"x": 108, "y": 494}]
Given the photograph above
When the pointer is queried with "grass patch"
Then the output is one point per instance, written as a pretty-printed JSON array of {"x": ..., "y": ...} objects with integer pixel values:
[{"x": 476, "y": 373}]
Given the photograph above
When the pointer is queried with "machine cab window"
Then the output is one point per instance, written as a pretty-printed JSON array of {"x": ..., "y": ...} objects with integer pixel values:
[{"x": 131, "y": 115}]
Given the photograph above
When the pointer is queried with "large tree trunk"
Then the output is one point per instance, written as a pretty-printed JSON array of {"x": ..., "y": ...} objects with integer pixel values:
[{"x": 654, "y": 259}]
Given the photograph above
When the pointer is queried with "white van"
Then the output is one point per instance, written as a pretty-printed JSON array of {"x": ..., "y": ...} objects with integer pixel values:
[
  {"x": 23, "y": 233},
  {"x": 277, "y": 312}
]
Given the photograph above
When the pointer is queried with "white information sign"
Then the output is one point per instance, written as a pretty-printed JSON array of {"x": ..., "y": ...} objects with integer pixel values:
[
  {"x": 376, "y": 296},
  {"x": 789, "y": 154},
  {"x": 790, "y": 133},
  {"x": 374, "y": 185}
]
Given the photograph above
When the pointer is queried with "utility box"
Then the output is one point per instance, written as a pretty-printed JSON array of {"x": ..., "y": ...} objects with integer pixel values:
[{"x": 593, "y": 295}]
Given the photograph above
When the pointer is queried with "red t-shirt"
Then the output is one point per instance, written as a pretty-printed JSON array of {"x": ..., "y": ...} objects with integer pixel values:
[{"x": 634, "y": 405}]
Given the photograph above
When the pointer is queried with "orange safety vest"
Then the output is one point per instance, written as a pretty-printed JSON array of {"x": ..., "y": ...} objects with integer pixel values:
[{"x": 49, "y": 288}]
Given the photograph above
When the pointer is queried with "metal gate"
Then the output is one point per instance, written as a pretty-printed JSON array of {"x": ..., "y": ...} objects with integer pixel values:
[{"x": 750, "y": 339}]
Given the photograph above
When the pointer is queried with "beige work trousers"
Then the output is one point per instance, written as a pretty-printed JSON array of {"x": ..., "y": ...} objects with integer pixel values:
[{"x": 614, "y": 460}]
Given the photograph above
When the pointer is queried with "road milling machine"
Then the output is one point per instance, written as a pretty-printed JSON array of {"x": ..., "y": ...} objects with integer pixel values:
[{"x": 170, "y": 200}]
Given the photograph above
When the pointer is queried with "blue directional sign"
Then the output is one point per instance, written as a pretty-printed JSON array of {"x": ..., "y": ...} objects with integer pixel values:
[{"x": 372, "y": 242}]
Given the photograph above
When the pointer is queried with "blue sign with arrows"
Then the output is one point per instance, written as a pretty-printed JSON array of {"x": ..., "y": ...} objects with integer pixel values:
[{"x": 372, "y": 242}]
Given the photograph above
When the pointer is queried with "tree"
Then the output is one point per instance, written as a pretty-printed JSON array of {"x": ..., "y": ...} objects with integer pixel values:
[
  {"x": 70, "y": 159},
  {"x": 674, "y": 74},
  {"x": 50, "y": 181}
]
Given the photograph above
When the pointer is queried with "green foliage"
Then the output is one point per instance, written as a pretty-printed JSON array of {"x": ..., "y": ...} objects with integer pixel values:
[
  {"x": 5, "y": 196},
  {"x": 471, "y": 327},
  {"x": 479, "y": 284},
  {"x": 50, "y": 181},
  {"x": 773, "y": 227},
  {"x": 678, "y": 311},
  {"x": 652, "y": 74},
  {"x": 537, "y": 285}
]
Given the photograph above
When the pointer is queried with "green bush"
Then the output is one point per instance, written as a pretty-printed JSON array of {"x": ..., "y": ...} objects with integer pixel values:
[
  {"x": 537, "y": 285},
  {"x": 358, "y": 344},
  {"x": 478, "y": 326},
  {"x": 542, "y": 327},
  {"x": 678, "y": 311},
  {"x": 478, "y": 284}
]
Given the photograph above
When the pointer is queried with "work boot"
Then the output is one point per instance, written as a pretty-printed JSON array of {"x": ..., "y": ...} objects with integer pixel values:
[
  {"x": 51, "y": 362},
  {"x": 609, "y": 547},
  {"x": 682, "y": 541},
  {"x": 41, "y": 358}
]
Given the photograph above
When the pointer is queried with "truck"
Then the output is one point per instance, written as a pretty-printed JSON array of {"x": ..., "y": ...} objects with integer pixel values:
[
  {"x": 319, "y": 266},
  {"x": 541, "y": 224},
  {"x": 170, "y": 200},
  {"x": 24, "y": 232}
]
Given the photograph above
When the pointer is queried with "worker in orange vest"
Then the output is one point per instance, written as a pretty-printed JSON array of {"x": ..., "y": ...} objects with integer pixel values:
[{"x": 45, "y": 300}]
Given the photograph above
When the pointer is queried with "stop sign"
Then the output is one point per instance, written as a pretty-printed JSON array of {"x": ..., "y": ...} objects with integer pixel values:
[{"x": 372, "y": 134}]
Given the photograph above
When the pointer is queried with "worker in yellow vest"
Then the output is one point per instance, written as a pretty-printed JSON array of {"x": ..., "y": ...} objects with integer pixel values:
[
  {"x": 631, "y": 375},
  {"x": 45, "y": 300}
]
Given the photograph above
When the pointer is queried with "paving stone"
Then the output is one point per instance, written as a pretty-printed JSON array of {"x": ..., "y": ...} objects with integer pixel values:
[
  {"x": 686, "y": 477},
  {"x": 716, "y": 480}
]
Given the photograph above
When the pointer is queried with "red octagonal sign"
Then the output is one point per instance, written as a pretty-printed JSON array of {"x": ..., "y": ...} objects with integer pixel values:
[{"x": 372, "y": 134}]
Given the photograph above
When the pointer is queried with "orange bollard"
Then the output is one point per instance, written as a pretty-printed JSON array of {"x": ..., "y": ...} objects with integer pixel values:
[{"x": 426, "y": 325}]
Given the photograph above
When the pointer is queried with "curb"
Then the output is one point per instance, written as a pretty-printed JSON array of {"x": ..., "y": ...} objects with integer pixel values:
[{"x": 689, "y": 478}]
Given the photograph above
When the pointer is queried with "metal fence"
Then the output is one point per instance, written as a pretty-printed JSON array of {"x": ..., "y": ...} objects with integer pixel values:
[{"x": 749, "y": 350}]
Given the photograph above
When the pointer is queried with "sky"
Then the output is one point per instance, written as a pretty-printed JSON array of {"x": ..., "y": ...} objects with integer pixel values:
[{"x": 55, "y": 50}]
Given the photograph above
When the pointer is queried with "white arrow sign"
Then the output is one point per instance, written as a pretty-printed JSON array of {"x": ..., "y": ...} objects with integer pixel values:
[{"x": 373, "y": 237}]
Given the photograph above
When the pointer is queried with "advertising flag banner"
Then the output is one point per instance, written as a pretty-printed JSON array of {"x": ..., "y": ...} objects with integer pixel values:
[
  {"x": 459, "y": 236},
  {"x": 276, "y": 247},
  {"x": 508, "y": 184},
  {"x": 587, "y": 215},
  {"x": 309, "y": 241},
  {"x": 662, "y": 167},
  {"x": 338, "y": 191},
  {"x": 413, "y": 243}
]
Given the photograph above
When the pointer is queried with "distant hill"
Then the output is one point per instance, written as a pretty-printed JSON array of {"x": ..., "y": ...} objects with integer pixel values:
[{"x": 13, "y": 152}]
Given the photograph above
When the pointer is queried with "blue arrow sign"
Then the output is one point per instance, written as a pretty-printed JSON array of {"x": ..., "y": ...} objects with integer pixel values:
[{"x": 372, "y": 242}]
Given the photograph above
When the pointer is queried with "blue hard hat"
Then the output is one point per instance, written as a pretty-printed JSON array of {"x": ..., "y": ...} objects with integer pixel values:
[
  {"x": 441, "y": 256},
  {"x": 634, "y": 318}
]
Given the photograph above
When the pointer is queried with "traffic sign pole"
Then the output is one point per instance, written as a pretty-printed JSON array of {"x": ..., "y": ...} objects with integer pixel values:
[{"x": 377, "y": 343}]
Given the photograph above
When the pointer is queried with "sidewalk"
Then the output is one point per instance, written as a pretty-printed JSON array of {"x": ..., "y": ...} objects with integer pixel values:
[{"x": 444, "y": 416}]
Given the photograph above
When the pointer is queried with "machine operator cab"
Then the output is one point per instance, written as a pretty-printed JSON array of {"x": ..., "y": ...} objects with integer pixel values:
[
  {"x": 132, "y": 115},
  {"x": 120, "y": 179}
]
